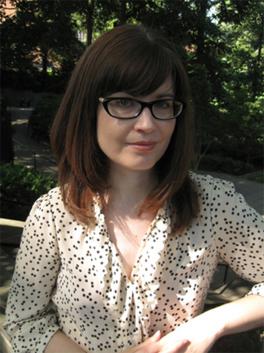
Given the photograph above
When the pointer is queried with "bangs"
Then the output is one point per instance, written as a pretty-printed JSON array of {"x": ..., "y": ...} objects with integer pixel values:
[{"x": 138, "y": 71}]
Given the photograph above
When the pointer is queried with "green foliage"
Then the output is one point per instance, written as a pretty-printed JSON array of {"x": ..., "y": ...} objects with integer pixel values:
[
  {"x": 43, "y": 115},
  {"x": 20, "y": 187},
  {"x": 224, "y": 164},
  {"x": 41, "y": 37},
  {"x": 219, "y": 41},
  {"x": 32, "y": 182}
]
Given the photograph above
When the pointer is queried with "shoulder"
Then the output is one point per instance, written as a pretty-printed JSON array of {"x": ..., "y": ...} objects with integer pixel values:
[
  {"x": 48, "y": 203},
  {"x": 208, "y": 184},
  {"x": 215, "y": 193},
  {"x": 53, "y": 196},
  {"x": 53, "y": 205}
]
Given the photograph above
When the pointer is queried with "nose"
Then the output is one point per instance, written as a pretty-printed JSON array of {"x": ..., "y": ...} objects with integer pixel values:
[{"x": 145, "y": 121}]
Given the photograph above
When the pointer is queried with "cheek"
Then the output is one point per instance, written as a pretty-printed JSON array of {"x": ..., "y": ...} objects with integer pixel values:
[
  {"x": 102, "y": 130},
  {"x": 109, "y": 133},
  {"x": 99, "y": 130},
  {"x": 169, "y": 130},
  {"x": 167, "y": 136},
  {"x": 103, "y": 136}
]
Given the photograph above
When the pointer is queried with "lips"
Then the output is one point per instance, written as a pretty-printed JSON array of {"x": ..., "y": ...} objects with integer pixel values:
[{"x": 143, "y": 145}]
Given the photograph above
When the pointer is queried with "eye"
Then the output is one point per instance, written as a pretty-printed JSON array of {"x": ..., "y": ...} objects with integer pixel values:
[
  {"x": 164, "y": 104},
  {"x": 123, "y": 103}
]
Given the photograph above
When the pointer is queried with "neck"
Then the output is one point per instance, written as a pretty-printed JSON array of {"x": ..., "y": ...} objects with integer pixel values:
[{"x": 129, "y": 189}]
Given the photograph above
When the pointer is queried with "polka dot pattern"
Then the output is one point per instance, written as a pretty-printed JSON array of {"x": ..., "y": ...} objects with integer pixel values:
[{"x": 70, "y": 279}]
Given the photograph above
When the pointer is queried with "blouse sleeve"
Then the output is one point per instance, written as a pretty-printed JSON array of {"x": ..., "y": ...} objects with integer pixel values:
[
  {"x": 30, "y": 319},
  {"x": 239, "y": 234}
]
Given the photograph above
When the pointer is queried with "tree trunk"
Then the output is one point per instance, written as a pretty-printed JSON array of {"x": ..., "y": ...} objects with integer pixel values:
[
  {"x": 122, "y": 12},
  {"x": 90, "y": 20},
  {"x": 202, "y": 9}
]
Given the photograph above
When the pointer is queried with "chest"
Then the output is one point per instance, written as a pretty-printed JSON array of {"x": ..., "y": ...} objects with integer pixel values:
[
  {"x": 168, "y": 273},
  {"x": 127, "y": 236}
]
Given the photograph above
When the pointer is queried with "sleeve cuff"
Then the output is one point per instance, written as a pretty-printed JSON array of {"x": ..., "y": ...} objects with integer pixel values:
[
  {"x": 257, "y": 289},
  {"x": 46, "y": 338}
]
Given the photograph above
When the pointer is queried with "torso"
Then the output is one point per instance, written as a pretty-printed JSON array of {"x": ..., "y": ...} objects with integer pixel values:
[{"x": 95, "y": 303}]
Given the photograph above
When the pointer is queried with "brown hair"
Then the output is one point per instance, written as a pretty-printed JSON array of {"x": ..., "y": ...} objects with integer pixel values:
[{"x": 136, "y": 60}]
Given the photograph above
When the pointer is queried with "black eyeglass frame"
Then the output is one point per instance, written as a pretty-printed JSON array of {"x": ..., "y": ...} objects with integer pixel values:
[{"x": 149, "y": 105}]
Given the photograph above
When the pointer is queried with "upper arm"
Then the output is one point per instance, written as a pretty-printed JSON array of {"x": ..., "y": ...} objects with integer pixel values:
[
  {"x": 28, "y": 312},
  {"x": 239, "y": 232}
]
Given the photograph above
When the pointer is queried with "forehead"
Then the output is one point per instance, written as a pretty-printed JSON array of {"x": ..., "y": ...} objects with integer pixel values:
[{"x": 165, "y": 89}]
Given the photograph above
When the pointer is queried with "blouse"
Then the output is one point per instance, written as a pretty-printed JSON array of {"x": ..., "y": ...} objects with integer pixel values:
[{"x": 72, "y": 279}]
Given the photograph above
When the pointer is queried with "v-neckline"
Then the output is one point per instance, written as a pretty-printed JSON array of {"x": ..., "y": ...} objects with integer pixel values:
[{"x": 116, "y": 252}]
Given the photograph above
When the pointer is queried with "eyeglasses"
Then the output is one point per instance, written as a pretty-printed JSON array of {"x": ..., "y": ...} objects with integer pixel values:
[{"x": 129, "y": 108}]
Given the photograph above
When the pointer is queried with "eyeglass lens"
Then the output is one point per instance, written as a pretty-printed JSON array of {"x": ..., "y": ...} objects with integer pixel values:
[{"x": 128, "y": 108}]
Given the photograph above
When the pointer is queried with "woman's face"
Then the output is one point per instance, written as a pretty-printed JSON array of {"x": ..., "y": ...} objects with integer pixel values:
[{"x": 136, "y": 144}]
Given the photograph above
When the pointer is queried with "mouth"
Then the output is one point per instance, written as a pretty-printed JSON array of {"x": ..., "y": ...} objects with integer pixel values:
[{"x": 143, "y": 145}]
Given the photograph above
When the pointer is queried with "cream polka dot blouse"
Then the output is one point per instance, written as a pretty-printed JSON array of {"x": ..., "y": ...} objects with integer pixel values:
[{"x": 69, "y": 279}]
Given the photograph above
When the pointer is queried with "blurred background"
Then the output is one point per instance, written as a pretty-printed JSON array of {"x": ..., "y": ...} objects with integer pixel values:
[{"x": 219, "y": 41}]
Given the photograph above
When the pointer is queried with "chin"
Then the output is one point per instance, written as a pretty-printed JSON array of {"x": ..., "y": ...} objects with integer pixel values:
[
  {"x": 139, "y": 164},
  {"x": 140, "y": 167}
]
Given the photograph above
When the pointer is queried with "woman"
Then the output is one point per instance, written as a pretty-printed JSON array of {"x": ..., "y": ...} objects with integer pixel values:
[{"x": 120, "y": 257}]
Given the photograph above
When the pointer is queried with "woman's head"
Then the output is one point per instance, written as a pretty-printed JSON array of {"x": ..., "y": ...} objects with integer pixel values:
[
  {"x": 134, "y": 132},
  {"x": 129, "y": 59}
]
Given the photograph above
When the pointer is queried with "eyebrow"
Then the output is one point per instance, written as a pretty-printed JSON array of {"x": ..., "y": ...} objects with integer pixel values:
[
  {"x": 128, "y": 95},
  {"x": 165, "y": 95}
]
